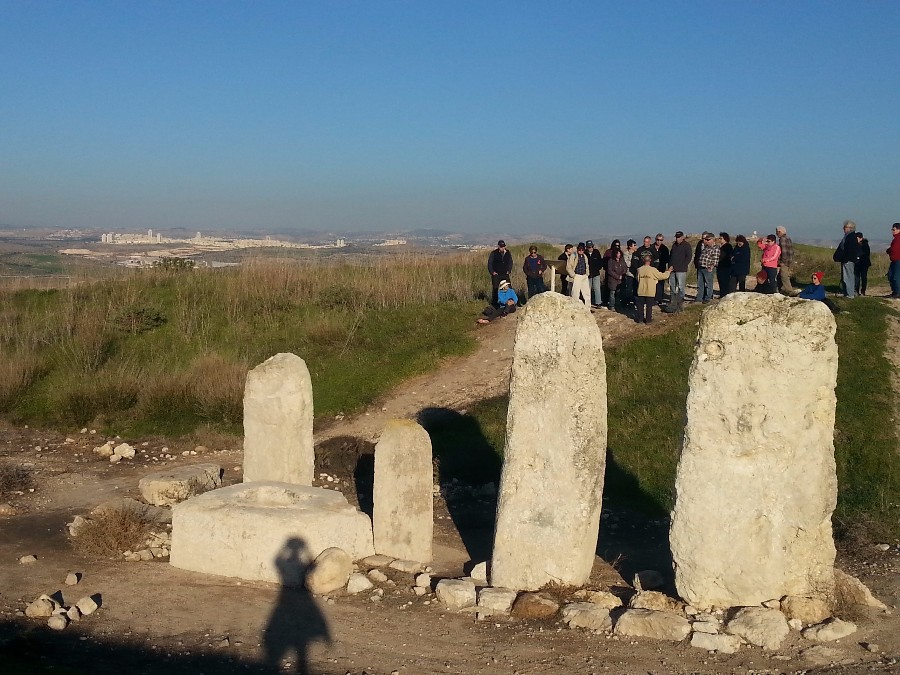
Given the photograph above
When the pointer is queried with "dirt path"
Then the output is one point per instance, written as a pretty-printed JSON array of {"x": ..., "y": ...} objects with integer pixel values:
[{"x": 156, "y": 618}]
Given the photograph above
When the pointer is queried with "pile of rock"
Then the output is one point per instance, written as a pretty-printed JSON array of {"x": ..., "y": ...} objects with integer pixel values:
[
  {"x": 115, "y": 453},
  {"x": 57, "y": 612},
  {"x": 156, "y": 547}
]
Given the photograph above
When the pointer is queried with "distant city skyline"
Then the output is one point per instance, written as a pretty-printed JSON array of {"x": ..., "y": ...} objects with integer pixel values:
[{"x": 508, "y": 117}]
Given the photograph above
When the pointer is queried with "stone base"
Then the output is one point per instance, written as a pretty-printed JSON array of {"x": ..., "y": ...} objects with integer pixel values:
[{"x": 265, "y": 531}]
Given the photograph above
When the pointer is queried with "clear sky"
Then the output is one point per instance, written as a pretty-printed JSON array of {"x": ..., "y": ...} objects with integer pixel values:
[{"x": 482, "y": 116}]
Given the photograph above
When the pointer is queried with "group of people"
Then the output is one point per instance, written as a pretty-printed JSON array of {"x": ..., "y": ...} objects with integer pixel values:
[{"x": 637, "y": 275}]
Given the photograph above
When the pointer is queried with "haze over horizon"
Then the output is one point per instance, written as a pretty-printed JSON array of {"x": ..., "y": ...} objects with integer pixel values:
[{"x": 472, "y": 117}]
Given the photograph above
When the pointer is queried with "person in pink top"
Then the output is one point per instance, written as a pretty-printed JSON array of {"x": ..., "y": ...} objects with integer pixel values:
[{"x": 771, "y": 253}]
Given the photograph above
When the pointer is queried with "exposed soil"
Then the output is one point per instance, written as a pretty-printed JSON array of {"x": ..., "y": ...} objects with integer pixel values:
[{"x": 156, "y": 618}]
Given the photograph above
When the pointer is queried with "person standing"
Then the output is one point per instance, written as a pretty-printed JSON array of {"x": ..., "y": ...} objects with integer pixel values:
[
  {"x": 534, "y": 268},
  {"x": 661, "y": 262},
  {"x": 577, "y": 268},
  {"x": 846, "y": 254},
  {"x": 566, "y": 286},
  {"x": 740, "y": 264},
  {"x": 648, "y": 277},
  {"x": 786, "y": 263},
  {"x": 771, "y": 252},
  {"x": 723, "y": 269},
  {"x": 863, "y": 263},
  {"x": 629, "y": 283},
  {"x": 616, "y": 271},
  {"x": 500, "y": 265},
  {"x": 893, "y": 252},
  {"x": 709, "y": 259},
  {"x": 679, "y": 259},
  {"x": 595, "y": 266}
]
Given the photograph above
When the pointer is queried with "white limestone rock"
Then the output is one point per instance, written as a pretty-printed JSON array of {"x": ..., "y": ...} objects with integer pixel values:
[
  {"x": 278, "y": 422},
  {"x": 531, "y": 605},
  {"x": 456, "y": 594},
  {"x": 57, "y": 622},
  {"x": 87, "y": 605},
  {"x": 586, "y": 615},
  {"x": 403, "y": 518},
  {"x": 167, "y": 488},
  {"x": 550, "y": 490},
  {"x": 124, "y": 451},
  {"x": 72, "y": 578},
  {"x": 725, "y": 644},
  {"x": 708, "y": 627},
  {"x": 105, "y": 450},
  {"x": 377, "y": 576},
  {"x": 377, "y": 560},
  {"x": 73, "y": 613},
  {"x": 656, "y": 601},
  {"x": 330, "y": 571},
  {"x": 407, "y": 566},
  {"x": 756, "y": 482},
  {"x": 808, "y": 610},
  {"x": 828, "y": 631},
  {"x": 603, "y": 599},
  {"x": 423, "y": 580},
  {"x": 497, "y": 600},
  {"x": 358, "y": 583},
  {"x": 480, "y": 572},
  {"x": 652, "y": 624},
  {"x": 265, "y": 531},
  {"x": 759, "y": 626},
  {"x": 28, "y": 559},
  {"x": 851, "y": 591},
  {"x": 43, "y": 606}
]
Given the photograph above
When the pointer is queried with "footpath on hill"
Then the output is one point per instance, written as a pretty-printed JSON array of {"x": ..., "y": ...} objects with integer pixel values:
[{"x": 156, "y": 618}]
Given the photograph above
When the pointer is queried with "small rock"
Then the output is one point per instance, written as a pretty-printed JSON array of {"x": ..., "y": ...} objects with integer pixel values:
[
  {"x": 144, "y": 554},
  {"x": 772, "y": 604},
  {"x": 586, "y": 615},
  {"x": 44, "y": 606},
  {"x": 87, "y": 605},
  {"x": 115, "y": 459},
  {"x": 358, "y": 583},
  {"x": 419, "y": 591},
  {"x": 104, "y": 450},
  {"x": 7, "y": 510},
  {"x": 795, "y": 624},
  {"x": 652, "y": 624},
  {"x": 72, "y": 578},
  {"x": 647, "y": 580},
  {"x": 708, "y": 627},
  {"x": 124, "y": 450},
  {"x": 455, "y": 594},
  {"x": 534, "y": 606},
  {"x": 27, "y": 559},
  {"x": 408, "y": 566},
  {"x": 760, "y": 626},
  {"x": 479, "y": 573},
  {"x": 821, "y": 655},
  {"x": 73, "y": 613},
  {"x": 330, "y": 571},
  {"x": 377, "y": 576},
  {"x": 498, "y": 600},
  {"x": 808, "y": 610},
  {"x": 77, "y": 523},
  {"x": 883, "y": 547},
  {"x": 603, "y": 599},
  {"x": 655, "y": 600},
  {"x": 200, "y": 449},
  {"x": 423, "y": 580},
  {"x": 870, "y": 647},
  {"x": 57, "y": 622},
  {"x": 224, "y": 642},
  {"x": 851, "y": 591},
  {"x": 828, "y": 631},
  {"x": 377, "y": 561},
  {"x": 726, "y": 644}
]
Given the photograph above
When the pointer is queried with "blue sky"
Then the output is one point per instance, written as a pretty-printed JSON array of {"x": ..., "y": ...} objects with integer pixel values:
[{"x": 557, "y": 117}]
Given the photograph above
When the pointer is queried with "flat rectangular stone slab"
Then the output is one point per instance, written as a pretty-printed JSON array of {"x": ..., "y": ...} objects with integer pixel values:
[{"x": 240, "y": 531}]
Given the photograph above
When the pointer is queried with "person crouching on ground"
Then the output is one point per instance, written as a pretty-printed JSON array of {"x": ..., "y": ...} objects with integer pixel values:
[
  {"x": 815, "y": 291},
  {"x": 507, "y": 300},
  {"x": 648, "y": 276}
]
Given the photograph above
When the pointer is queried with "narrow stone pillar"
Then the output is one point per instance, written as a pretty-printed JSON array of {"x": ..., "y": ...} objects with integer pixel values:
[
  {"x": 756, "y": 483},
  {"x": 548, "y": 511},
  {"x": 278, "y": 422},
  {"x": 403, "y": 514}
]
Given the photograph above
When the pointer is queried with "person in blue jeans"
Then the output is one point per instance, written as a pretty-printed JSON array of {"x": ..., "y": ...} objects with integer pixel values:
[
  {"x": 894, "y": 254},
  {"x": 847, "y": 254}
]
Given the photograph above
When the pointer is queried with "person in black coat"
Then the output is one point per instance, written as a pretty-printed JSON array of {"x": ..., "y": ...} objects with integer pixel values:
[
  {"x": 863, "y": 263},
  {"x": 723, "y": 269},
  {"x": 740, "y": 264},
  {"x": 847, "y": 254},
  {"x": 660, "y": 262},
  {"x": 500, "y": 265}
]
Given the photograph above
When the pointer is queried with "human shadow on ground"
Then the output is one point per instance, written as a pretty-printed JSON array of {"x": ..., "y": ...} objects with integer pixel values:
[
  {"x": 468, "y": 469},
  {"x": 296, "y": 622},
  {"x": 634, "y": 526}
]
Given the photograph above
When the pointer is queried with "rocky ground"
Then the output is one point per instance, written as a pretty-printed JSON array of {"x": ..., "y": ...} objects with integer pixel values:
[{"x": 153, "y": 617}]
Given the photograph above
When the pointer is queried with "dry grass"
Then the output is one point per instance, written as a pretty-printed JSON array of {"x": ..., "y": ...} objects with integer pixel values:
[
  {"x": 111, "y": 532},
  {"x": 14, "y": 478}
]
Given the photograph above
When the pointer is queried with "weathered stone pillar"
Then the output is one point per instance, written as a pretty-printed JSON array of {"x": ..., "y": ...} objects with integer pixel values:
[
  {"x": 403, "y": 514},
  {"x": 278, "y": 422},
  {"x": 756, "y": 482},
  {"x": 549, "y": 503}
]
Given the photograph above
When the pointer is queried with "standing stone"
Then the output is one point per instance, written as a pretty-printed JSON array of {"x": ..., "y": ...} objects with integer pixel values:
[
  {"x": 549, "y": 503},
  {"x": 756, "y": 483},
  {"x": 278, "y": 422},
  {"x": 402, "y": 517}
]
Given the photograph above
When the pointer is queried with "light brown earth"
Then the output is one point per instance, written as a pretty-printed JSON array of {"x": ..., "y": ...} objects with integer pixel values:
[{"x": 156, "y": 618}]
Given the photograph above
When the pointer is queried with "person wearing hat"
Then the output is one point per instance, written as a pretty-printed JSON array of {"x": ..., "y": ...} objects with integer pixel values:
[
  {"x": 648, "y": 276},
  {"x": 507, "y": 304},
  {"x": 815, "y": 291},
  {"x": 500, "y": 266},
  {"x": 786, "y": 261},
  {"x": 680, "y": 259},
  {"x": 577, "y": 268}
]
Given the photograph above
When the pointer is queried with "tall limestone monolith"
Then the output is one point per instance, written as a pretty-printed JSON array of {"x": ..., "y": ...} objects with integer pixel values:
[
  {"x": 278, "y": 422},
  {"x": 549, "y": 502},
  {"x": 756, "y": 482},
  {"x": 403, "y": 513}
]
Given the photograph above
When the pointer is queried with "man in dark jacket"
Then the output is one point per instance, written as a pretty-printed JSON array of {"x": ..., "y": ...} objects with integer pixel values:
[
  {"x": 660, "y": 262},
  {"x": 786, "y": 261},
  {"x": 846, "y": 254},
  {"x": 680, "y": 259},
  {"x": 595, "y": 266},
  {"x": 534, "y": 268},
  {"x": 500, "y": 265}
]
